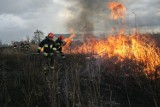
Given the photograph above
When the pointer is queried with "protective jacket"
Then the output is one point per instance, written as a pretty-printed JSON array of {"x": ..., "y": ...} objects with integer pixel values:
[
  {"x": 48, "y": 47},
  {"x": 59, "y": 43}
]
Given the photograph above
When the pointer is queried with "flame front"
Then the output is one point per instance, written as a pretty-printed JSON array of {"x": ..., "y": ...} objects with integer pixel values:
[
  {"x": 141, "y": 49},
  {"x": 70, "y": 38},
  {"x": 137, "y": 47}
]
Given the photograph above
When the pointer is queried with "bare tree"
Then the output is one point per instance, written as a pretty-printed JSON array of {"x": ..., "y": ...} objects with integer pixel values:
[
  {"x": 28, "y": 38},
  {"x": 38, "y": 36}
]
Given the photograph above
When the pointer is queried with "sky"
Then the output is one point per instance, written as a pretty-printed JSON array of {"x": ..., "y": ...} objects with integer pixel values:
[{"x": 21, "y": 18}]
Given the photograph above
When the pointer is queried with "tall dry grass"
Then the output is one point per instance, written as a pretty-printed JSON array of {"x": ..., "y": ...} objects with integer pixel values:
[{"x": 76, "y": 82}]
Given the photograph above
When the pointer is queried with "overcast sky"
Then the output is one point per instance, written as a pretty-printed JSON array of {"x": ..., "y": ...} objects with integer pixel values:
[{"x": 19, "y": 18}]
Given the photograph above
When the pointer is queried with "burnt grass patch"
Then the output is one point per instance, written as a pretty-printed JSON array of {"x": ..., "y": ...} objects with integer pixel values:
[{"x": 78, "y": 81}]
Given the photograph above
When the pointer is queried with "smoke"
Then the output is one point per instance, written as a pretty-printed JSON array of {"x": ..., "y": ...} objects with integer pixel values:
[{"x": 89, "y": 15}]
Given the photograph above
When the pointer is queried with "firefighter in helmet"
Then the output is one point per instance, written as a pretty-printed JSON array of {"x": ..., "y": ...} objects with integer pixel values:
[
  {"x": 27, "y": 46},
  {"x": 59, "y": 44},
  {"x": 14, "y": 46},
  {"x": 49, "y": 49},
  {"x": 22, "y": 46}
]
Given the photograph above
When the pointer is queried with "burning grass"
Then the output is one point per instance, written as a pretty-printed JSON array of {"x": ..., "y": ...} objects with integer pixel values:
[{"x": 140, "y": 48}]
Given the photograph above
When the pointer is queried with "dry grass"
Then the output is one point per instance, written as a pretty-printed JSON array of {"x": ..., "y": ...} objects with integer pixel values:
[{"x": 76, "y": 82}]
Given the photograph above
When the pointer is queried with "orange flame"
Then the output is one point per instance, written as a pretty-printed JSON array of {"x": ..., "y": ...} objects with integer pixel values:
[
  {"x": 141, "y": 49},
  {"x": 69, "y": 39},
  {"x": 117, "y": 10},
  {"x": 138, "y": 48}
]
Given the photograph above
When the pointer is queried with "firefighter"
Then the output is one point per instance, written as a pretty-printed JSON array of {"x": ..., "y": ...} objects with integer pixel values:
[
  {"x": 22, "y": 46},
  {"x": 27, "y": 46},
  {"x": 14, "y": 46},
  {"x": 49, "y": 50},
  {"x": 59, "y": 44}
]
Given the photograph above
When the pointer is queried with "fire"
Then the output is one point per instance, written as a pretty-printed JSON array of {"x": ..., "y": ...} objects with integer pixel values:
[
  {"x": 141, "y": 49},
  {"x": 117, "y": 10},
  {"x": 137, "y": 47},
  {"x": 70, "y": 38}
]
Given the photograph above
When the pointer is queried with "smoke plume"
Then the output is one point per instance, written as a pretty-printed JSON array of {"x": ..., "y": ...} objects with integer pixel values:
[{"x": 89, "y": 15}]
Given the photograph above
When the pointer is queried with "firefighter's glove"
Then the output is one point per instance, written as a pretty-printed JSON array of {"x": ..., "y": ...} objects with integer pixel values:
[{"x": 57, "y": 52}]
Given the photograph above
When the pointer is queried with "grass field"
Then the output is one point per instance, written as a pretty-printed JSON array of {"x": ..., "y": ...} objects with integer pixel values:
[{"x": 78, "y": 81}]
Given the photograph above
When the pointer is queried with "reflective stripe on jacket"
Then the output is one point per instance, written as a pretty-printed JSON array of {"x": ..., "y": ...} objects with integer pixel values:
[{"x": 48, "y": 45}]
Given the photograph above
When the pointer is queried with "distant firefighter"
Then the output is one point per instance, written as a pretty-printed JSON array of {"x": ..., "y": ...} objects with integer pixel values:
[
  {"x": 22, "y": 45},
  {"x": 15, "y": 46},
  {"x": 26, "y": 46},
  {"x": 59, "y": 44}
]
